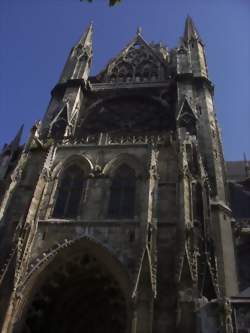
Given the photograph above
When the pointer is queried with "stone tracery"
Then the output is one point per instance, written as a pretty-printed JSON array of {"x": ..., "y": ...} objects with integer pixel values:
[
  {"x": 127, "y": 114},
  {"x": 136, "y": 64}
]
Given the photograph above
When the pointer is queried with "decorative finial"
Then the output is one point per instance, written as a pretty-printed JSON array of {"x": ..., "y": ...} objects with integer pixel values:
[{"x": 139, "y": 31}]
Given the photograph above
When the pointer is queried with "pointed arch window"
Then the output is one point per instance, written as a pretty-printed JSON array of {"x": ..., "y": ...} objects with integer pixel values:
[
  {"x": 70, "y": 192},
  {"x": 122, "y": 193}
]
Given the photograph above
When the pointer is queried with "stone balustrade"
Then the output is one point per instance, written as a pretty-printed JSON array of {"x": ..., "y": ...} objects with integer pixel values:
[{"x": 110, "y": 139}]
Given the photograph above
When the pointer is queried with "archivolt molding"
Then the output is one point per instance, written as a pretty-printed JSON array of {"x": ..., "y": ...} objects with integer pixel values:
[
  {"x": 129, "y": 159},
  {"x": 81, "y": 160},
  {"x": 41, "y": 262},
  {"x": 41, "y": 265}
]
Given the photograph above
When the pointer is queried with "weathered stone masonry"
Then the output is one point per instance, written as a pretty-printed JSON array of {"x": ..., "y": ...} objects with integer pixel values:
[{"x": 115, "y": 218}]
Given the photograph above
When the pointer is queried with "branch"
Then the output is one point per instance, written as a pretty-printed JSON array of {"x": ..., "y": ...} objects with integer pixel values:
[{"x": 111, "y": 2}]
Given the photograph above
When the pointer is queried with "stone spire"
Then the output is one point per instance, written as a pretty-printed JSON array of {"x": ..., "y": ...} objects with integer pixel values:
[
  {"x": 16, "y": 141},
  {"x": 8, "y": 156},
  {"x": 196, "y": 61},
  {"x": 139, "y": 31},
  {"x": 190, "y": 32},
  {"x": 14, "y": 144},
  {"x": 86, "y": 38},
  {"x": 78, "y": 64}
]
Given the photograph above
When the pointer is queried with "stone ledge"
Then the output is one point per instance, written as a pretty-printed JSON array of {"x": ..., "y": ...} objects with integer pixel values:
[
  {"x": 93, "y": 223},
  {"x": 221, "y": 205},
  {"x": 127, "y": 85}
]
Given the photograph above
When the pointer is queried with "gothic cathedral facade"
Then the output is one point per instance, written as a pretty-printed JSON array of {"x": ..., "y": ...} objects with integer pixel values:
[{"x": 115, "y": 217}]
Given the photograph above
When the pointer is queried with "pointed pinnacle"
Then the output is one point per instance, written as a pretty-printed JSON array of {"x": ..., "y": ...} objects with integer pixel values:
[
  {"x": 245, "y": 157},
  {"x": 16, "y": 141},
  {"x": 18, "y": 136},
  {"x": 139, "y": 31},
  {"x": 190, "y": 30},
  {"x": 86, "y": 38}
]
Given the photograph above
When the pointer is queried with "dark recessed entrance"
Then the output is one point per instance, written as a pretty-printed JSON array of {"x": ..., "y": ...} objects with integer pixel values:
[{"x": 80, "y": 296}]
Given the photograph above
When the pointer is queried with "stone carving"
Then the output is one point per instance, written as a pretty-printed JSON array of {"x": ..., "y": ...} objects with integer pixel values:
[
  {"x": 47, "y": 256},
  {"x": 46, "y": 174},
  {"x": 134, "y": 115},
  {"x": 97, "y": 172},
  {"x": 46, "y": 171},
  {"x": 226, "y": 315},
  {"x": 17, "y": 174},
  {"x": 137, "y": 63},
  {"x": 109, "y": 139}
]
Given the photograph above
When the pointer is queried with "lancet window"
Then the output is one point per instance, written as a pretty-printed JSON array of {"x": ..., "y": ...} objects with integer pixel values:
[
  {"x": 70, "y": 192},
  {"x": 122, "y": 193}
]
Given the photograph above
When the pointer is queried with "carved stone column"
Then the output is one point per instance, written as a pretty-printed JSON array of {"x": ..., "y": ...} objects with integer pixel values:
[
  {"x": 145, "y": 287},
  {"x": 186, "y": 279}
]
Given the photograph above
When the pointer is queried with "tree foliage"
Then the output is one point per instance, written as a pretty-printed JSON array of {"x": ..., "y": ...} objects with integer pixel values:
[{"x": 111, "y": 2}]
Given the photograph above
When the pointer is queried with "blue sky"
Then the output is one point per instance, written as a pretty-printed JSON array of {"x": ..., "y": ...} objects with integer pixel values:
[{"x": 36, "y": 37}]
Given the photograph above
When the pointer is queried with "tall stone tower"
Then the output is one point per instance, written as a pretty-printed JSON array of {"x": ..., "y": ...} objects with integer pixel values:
[{"x": 116, "y": 218}]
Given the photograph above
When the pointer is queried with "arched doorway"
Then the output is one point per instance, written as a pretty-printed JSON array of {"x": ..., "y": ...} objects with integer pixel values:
[{"x": 79, "y": 291}]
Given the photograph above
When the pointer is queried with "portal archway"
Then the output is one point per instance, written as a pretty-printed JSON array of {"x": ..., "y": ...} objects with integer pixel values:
[{"x": 82, "y": 289}]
